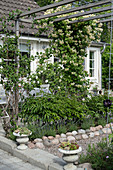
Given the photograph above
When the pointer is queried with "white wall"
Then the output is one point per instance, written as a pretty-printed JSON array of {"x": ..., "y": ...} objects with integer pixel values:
[{"x": 39, "y": 44}]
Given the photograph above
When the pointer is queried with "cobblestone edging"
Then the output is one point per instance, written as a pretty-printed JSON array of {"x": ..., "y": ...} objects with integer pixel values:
[{"x": 73, "y": 136}]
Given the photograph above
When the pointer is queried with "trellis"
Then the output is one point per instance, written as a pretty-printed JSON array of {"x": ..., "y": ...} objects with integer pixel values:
[
  {"x": 88, "y": 10},
  {"x": 99, "y": 14}
]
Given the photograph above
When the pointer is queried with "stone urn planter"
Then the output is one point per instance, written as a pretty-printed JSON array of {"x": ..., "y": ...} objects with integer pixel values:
[
  {"x": 22, "y": 137},
  {"x": 70, "y": 156}
]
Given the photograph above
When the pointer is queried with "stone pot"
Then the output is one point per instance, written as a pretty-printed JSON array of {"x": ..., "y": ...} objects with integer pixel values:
[
  {"x": 22, "y": 140},
  {"x": 70, "y": 157}
]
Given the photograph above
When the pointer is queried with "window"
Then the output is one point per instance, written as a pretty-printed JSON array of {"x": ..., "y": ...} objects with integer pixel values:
[
  {"x": 91, "y": 63},
  {"x": 25, "y": 55}
]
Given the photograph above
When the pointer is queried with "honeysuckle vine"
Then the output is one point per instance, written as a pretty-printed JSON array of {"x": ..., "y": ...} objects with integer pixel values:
[{"x": 68, "y": 45}]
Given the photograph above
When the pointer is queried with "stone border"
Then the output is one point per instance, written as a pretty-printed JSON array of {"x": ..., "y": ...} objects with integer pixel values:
[{"x": 72, "y": 137}]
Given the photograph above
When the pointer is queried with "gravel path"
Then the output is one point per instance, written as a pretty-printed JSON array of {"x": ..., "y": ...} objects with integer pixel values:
[{"x": 83, "y": 143}]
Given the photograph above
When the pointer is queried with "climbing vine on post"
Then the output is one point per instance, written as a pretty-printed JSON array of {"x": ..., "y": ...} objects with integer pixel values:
[{"x": 15, "y": 78}]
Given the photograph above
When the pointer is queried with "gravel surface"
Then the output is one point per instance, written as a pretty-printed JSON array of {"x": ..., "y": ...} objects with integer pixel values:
[{"x": 83, "y": 143}]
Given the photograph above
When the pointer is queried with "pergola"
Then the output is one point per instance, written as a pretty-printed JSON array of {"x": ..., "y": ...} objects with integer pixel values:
[{"x": 103, "y": 14}]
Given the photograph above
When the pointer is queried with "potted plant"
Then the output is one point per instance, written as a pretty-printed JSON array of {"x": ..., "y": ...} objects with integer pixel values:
[
  {"x": 70, "y": 154},
  {"x": 22, "y": 134}
]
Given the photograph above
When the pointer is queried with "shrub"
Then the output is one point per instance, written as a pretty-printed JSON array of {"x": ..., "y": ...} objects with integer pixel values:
[
  {"x": 95, "y": 106},
  {"x": 101, "y": 121},
  {"x": 51, "y": 108},
  {"x": 61, "y": 129},
  {"x": 87, "y": 123},
  {"x": 101, "y": 157}
]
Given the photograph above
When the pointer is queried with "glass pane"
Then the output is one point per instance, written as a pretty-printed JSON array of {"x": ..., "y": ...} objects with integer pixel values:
[
  {"x": 24, "y": 47},
  {"x": 91, "y": 55},
  {"x": 92, "y": 72},
  {"x": 91, "y": 63}
]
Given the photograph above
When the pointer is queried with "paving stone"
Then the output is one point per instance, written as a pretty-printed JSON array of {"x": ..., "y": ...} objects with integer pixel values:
[
  {"x": 9, "y": 162},
  {"x": 84, "y": 136},
  {"x": 38, "y": 140},
  {"x": 81, "y": 131},
  {"x": 69, "y": 134},
  {"x": 91, "y": 135},
  {"x": 101, "y": 132},
  {"x": 106, "y": 130},
  {"x": 40, "y": 145},
  {"x": 78, "y": 137},
  {"x": 93, "y": 129},
  {"x": 85, "y": 166},
  {"x": 63, "y": 135},
  {"x": 63, "y": 140},
  {"x": 71, "y": 139},
  {"x": 96, "y": 133},
  {"x": 88, "y": 131},
  {"x": 74, "y": 132},
  {"x": 55, "y": 141},
  {"x": 50, "y": 137}
]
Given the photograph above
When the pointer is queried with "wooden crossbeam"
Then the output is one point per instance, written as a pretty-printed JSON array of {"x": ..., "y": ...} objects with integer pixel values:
[
  {"x": 26, "y": 20},
  {"x": 83, "y": 7},
  {"x": 46, "y": 7},
  {"x": 107, "y": 20},
  {"x": 84, "y": 13},
  {"x": 92, "y": 18},
  {"x": 79, "y": 15}
]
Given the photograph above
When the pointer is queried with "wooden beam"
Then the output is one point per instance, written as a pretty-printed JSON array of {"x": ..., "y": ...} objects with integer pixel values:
[
  {"x": 107, "y": 20},
  {"x": 76, "y": 15},
  {"x": 84, "y": 13},
  {"x": 64, "y": 2},
  {"x": 26, "y": 20},
  {"x": 92, "y": 18},
  {"x": 74, "y": 9}
]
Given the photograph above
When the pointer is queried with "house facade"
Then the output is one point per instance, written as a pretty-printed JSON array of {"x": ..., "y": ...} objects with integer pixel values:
[{"x": 92, "y": 62}]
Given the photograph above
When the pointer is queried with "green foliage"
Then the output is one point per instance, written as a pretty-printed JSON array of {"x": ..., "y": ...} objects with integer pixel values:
[
  {"x": 71, "y": 126},
  {"x": 101, "y": 157},
  {"x": 87, "y": 123},
  {"x": 44, "y": 2},
  {"x": 51, "y": 108},
  {"x": 102, "y": 121},
  {"x": 95, "y": 106},
  {"x": 105, "y": 66},
  {"x": 68, "y": 43},
  {"x": 61, "y": 129},
  {"x": 11, "y": 136}
]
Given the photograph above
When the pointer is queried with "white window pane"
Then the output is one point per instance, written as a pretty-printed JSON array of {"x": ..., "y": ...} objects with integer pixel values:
[{"x": 24, "y": 47}]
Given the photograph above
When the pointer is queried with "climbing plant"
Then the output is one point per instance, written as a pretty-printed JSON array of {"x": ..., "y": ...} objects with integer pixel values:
[{"x": 68, "y": 46}]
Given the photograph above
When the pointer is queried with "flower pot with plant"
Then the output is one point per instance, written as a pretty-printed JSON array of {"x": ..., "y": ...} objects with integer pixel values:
[
  {"x": 22, "y": 134},
  {"x": 70, "y": 154}
]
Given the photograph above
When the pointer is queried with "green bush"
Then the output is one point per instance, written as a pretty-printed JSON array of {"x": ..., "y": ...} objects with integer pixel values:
[
  {"x": 71, "y": 126},
  {"x": 51, "y": 108},
  {"x": 102, "y": 121},
  {"x": 61, "y": 129},
  {"x": 101, "y": 157},
  {"x": 87, "y": 123},
  {"x": 95, "y": 106}
]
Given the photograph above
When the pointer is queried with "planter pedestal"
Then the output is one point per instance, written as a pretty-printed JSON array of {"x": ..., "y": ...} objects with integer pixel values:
[
  {"x": 70, "y": 157},
  {"x": 22, "y": 140}
]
